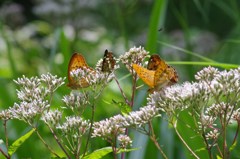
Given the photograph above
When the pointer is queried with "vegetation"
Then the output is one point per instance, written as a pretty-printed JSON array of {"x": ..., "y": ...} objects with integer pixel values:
[{"x": 38, "y": 38}]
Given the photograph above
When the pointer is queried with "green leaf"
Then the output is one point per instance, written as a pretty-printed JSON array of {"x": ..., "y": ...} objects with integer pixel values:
[
  {"x": 214, "y": 64},
  {"x": 97, "y": 154},
  {"x": 127, "y": 150},
  {"x": 187, "y": 52},
  {"x": 125, "y": 109},
  {"x": 233, "y": 145},
  {"x": 157, "y": 19},
  {"x": 104, "y": 151},
  {"x": 19, "y": 142},
  {"x": 219, "y": 157}
]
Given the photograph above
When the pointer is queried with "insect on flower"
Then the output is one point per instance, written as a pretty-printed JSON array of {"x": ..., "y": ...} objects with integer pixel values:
[
  {"x": 77, "y": 62},
  {"x": 158, "y": 73},
  {"x": 80, "y": 74},
  {"x": 109, "y": 62}
]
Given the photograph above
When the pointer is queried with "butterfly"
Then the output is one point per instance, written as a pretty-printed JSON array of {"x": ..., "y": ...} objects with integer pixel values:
[
  {"x": 77, "y": 61},
  {"x": 158, "y": 73},
  {"x": 109, "y": 62}
]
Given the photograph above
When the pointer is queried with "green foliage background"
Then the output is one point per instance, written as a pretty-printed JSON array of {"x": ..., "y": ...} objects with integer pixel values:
[{"x": 35, "y": 41}]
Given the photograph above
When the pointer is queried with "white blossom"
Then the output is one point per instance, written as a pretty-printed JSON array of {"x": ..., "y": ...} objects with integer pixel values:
[
  {"x": 134, "y": 55},
  {"x": 52, "y": 117}
]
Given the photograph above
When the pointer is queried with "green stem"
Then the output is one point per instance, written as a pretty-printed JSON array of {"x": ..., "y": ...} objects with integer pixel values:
[
  {"x": 224, "y": 127},
  {"x": 179, "y": 135},
  {"x": 236, "y": 134},
  {"x": 124, "y": 96},
  {"x": 5, "y": 154},
  {"x": 6, "y": 133},
  {"x": 153, "y": 138},
  {"x": 90, "y": 130},
  {"x": 57, "y": 140},
  {"x": 48, "y": 147}
]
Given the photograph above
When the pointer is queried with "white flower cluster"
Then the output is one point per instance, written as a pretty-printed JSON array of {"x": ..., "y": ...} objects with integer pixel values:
[
  {"x": 5, "y": 115},
  {"x": 52, "y": 117},
  {"x": 134, "y": 55},
  {"x": 212, "y": 135},
  {"x": 109, "y": 127},
  {"x": 215, "y": 96},
  {"x": 27, "y": 111},
  {"x": 141, "y": 117},
  {"x": 89, "y": 77},
  {"x": 74, "y": 126},
  {"x": 76, "y": 100},
  {"x": 30, "y": 89},
  {"x": 178, "y": 97},
  {"x": 32, "y": 95},
  {"x": 116, "y": 125},
  {"x": 124, "y": 141},
  {"x": 51, "y": 82}
]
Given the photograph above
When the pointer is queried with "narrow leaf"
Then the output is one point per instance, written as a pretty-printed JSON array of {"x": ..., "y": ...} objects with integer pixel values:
[
  {"x": 127, "y": 150},
  {"x": 97, "y": 154},
  {"x": 233, "y": 146},
  {"x": 13, "y": 148}
]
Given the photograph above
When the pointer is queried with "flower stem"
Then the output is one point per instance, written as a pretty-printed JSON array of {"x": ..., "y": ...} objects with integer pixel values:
[
  {"x": 124, "y": 96},
  {"x": 236, "y": 134},
  {"x": 49, "y": 148},
  {"x": 5, "y": 154},
  {"x": 179, "y": 135},
  {"x": 57, "y": 140},
  {"x": 153, "y": 138},
  {"x": 5, "y": 131},
  {"x": 90, "y": 130}
]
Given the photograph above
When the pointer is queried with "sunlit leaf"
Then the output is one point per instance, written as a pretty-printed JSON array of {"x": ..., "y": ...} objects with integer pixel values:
[
  {"x": 233, "y": 146},
  {"x": 97, "y": 154},
  {"x": 13, "y": 148},
  {"x": 125, "y": 109}
]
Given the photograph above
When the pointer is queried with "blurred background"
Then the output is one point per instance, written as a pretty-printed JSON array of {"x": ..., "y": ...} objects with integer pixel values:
[{"x": 39, "y": 36}]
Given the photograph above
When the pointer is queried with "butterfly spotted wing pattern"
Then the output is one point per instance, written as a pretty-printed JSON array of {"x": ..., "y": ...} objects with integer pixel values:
[
  {"x": 158, "y": 73},
  {"x": 164, "y": 74},
  {"x": 108, "y": 61},
  {"x": 77, "y": 61}
]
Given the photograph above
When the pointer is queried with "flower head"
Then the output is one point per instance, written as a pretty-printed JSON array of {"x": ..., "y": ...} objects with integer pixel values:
[
  {"x": 109, "y": 127},
  {"x": 27, "y": 111},
  {"x": 52, "y": 117},
  {"x": 74, "y": 126},
  {"x": 76, "y": 100},
  {"x": 134, "y": 55},
  {"x": 124, "y": 141}
]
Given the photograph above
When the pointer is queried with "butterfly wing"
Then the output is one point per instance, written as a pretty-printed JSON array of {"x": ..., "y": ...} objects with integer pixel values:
[
  {"x": 155, "y": 62},
  {"x": 108, "y": 62},
  {"x": 146, "y": 75},
  {"x": 164, "y": 74},
  {"x": 159, "y": 66},
  {"x": 77, "y": 61}
]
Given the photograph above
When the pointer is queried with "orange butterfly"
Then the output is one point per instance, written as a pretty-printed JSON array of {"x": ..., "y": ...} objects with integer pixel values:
[
  {"x": 77, "y": 61},
  {"x": 158, "y": 74}
]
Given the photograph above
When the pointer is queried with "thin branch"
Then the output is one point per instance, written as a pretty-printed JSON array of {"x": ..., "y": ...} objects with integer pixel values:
[
  {"x": 43, "y": 141},
  {"x": 5, "y": 131},
  {"x": 90, "y": 130},
  {"x": 153, "y": 138},
  {"x": 5, "y": 154},
  {"x": 124, "y": 96},
  {"x": 57, "y": 140},
  {"x": 236, "y": 134},
  {"x": 179, "y": 135}
]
